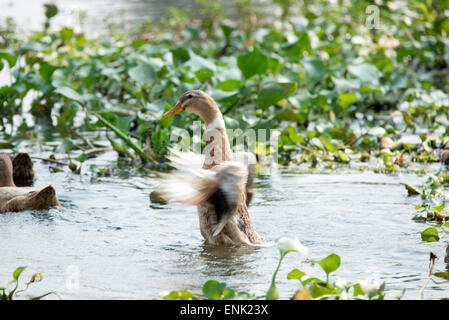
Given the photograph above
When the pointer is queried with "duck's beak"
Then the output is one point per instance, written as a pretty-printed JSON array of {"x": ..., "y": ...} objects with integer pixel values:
[{"x": 177, "y": 109}]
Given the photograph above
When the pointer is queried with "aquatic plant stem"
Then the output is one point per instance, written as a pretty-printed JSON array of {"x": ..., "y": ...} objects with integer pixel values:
[
  {"x": 432, "y": 261},
  {"x": 272, "y": 293},
  {"x": 126, "y": 139}
]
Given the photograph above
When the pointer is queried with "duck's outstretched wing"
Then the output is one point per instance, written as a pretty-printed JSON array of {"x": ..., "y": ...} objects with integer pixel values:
[
  {"x": 224, "y": 187},
  {"x": 249, "y": 160},
  {"x": 185, "y": 160}
]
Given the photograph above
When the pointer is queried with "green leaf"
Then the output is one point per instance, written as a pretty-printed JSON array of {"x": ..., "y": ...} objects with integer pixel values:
[
  {"x": 180, "y": 295},
  {"x": 143, "y": 74},
  {"x": 253, "y": 63},
  {"x": 297, "y": 48},
  {"x": 295, "y": 274},
  {"x": 439, "y": 208},
  {"x": 180, "y": 55},
  {"x": 318, "y": 289},
  {"x": 271, "y": 93},
  {"x": 17, "y": 272},
  {"x": 346, "y": 99},
  {"x": 430, "y": 235},
  {"x": 214, "y": 290},
  {"x": 444, "y": 275},
  {"x": 70, "y": 94},
  {"x": 366, "y": 72},
  {"x": 330, "y": 263},
  {"x": 11, "y": 59},
  {"x": 411, "y": 190},
  {"x": 197, "y": 62},
  {"x": 126, "y": 139},
  {"x": 314, "y": 71},
  {"x": 229, "y": 294},
  {"x": 51, "y": 10},
  {"x": 230, "y": 85},
  {"x": 203, "y": 74}
]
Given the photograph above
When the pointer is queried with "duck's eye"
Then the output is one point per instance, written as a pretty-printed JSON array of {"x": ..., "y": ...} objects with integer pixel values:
[{"x": 189, "y": 96}]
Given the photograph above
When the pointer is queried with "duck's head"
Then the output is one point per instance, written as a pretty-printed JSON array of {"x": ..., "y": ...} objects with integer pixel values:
[{"x": 199, "y": 103}]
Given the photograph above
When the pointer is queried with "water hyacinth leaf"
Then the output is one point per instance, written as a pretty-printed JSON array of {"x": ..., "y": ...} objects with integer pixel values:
[
  {"x": 46, "y": 70},
  {"x": 314, "y": 71},
  {"x": 143, "y": 74},
  {"x": 292, "y": 135},
  {"x": 70, "y": 94},
  {"x": 346, "y": 99},
  {"x": 297, "y": 48},
  {"x": 318, "y": 289},
  {"x": 366, "y": 72},
  {"x": 197, "y": 62},
  {"x": 8, "y": 57},
  {"x": 203, "y": 74},
  {"x": 213, "y": 289},
  {"x": 51, "y": 10},
  {"x": 17, "y": 272},
  {"x": 253, "y": 63},
  {"x": 430, "y": 235},
  {"x": 180, "y": 55},
  {"x": 228, "y": 294},
  {"x": 439, "y": 208},
  {"x": 230, "y": 85},
  {"x": 330, "y": 263},
  {"x": 295, "y": 274},
  {"x": 444, "y": 275},
  {"x": 180, "y": 295},
  {"x": 271, "y": 93},
  {"x": 411, "y": 190}
]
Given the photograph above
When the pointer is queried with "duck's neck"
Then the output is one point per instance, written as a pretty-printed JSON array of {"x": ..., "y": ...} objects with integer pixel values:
[{"x": 217, "y": 148}]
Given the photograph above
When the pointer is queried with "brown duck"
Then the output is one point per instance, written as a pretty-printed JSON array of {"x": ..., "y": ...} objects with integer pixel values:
[
  {"x": 14, "y": 198},
  {"x": 223, "y": 188}
]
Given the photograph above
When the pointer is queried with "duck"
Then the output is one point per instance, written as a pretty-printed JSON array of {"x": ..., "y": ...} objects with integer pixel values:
[
  {"x": 220, "y": 184},
  {"x": 14, "y": 198}
]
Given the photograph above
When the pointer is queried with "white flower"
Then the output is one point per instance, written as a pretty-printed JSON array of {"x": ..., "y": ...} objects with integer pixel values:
[
  {"x": 370, "y": 286},
  {"x": 286, "y": 245}
]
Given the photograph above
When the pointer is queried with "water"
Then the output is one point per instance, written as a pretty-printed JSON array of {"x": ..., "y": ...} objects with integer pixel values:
[
  {"x": 107, "y": 242},
  {"x": 30, "y": 14}
]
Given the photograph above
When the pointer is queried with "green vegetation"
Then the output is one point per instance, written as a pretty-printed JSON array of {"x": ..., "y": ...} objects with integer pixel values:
[
  {"x": 7, "y": 293},
  {"x": 339, "y": 88},
  {"x": 342, "y": 84},
  {"x": 310, "y": 287}
]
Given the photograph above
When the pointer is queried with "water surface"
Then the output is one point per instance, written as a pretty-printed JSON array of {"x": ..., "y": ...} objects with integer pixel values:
[{"x": 107, "y": 242}]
